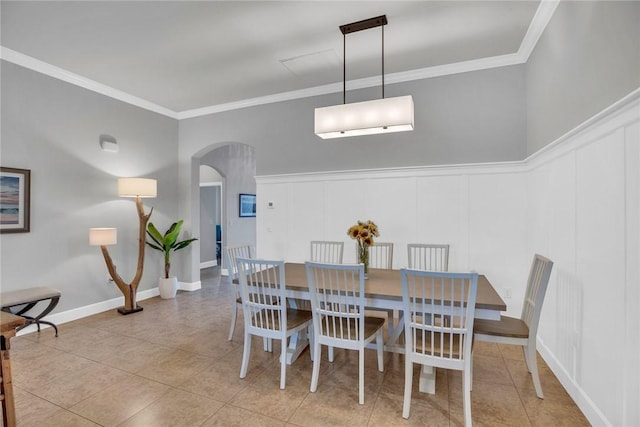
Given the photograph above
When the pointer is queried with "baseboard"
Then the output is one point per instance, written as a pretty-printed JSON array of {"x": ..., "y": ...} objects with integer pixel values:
[
  {"x": 208, "y": 264},
  {"x": 190, "y": 286},
  {"x": 579, "y": 396}
]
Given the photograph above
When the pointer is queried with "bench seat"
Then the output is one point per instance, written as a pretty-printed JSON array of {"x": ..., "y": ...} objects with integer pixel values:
[{"x": 20, "y": 301}]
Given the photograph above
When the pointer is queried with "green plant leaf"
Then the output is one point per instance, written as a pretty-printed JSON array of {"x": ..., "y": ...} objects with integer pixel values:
[
  {"x": 161, "y": 249},
  {"x": 154, "y": 233},
  {"x": 184, "y": 244}
]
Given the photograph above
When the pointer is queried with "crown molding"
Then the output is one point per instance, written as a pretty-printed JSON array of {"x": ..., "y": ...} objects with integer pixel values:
[
  {"x": 42, "y": 67},
  {"x": 405, "y": 76},
  {"x": 543, "y": 15},
  {"x": 540, "y": 20}
]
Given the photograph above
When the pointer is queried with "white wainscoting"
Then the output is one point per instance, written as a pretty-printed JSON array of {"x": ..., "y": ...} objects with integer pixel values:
[{"x": 576, "y": 201}]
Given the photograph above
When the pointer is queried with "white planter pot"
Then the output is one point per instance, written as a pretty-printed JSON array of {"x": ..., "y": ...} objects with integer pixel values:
[{"x": 168, "y": 287}]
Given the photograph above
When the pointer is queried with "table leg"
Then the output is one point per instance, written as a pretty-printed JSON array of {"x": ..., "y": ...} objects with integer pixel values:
[
  {"x": 428, "y": 379},
  {"x": 8, "y": 408},
  {"x": 297, "y": 343}
]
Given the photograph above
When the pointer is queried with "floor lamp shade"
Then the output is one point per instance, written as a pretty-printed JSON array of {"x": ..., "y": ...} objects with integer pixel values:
[
  {"x": 137, "y": 187},
  {"x": 103, "y": 236},
  {"x": 365, "y": 118}
]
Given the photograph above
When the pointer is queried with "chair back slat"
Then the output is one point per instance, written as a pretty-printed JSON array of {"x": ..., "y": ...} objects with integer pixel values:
[
  {"x": 262, "y": 290},
  {"x": 536, "y": 289},
  {"x": 337, "y": 300},
  {"x": 430, "y": 257},
  {"x": 439, "y": 311},
  {"x": 232, "y": 254},
  {"x": 380, "y": 255},
  {"x": 327, "y": 252}
]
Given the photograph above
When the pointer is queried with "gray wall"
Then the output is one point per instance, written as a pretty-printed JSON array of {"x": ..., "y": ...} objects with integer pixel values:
[
  {"x": 587, "y": 58},
  {"x": 53, "y": 129},
  {"x": 463, "y": 118}
]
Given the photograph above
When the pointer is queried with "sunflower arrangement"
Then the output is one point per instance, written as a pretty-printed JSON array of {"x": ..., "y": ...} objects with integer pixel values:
[{"x": 363, "y": 233}]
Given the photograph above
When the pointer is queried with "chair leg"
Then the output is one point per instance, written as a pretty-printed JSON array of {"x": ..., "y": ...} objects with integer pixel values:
[
  {"x": 246, "y": 353},
  {"x": 466, "y": 396},
  {"x": 234, "y": 318},
  {"x": 408, "y": 384},
  {"x": 471, "y": 372},
  {"x": 361, "y": 375},
  {"x": 380, "y": 349},
  {"x": 532, "y": 363},
  {"x": 311, "y": 338},
  {"x": 283, "y": 362},
  {"x": 330, "y": 351},
  {"x": 316, "y": 367}
]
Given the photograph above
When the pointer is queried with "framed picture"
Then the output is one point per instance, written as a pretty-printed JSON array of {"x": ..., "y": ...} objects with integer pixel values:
[
  {"x": 15, "y": 188},
  {"x": 247, "y": 205}
]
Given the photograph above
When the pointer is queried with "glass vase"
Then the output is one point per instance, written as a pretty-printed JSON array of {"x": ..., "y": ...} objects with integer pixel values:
[{"x": 363, "y": 258}]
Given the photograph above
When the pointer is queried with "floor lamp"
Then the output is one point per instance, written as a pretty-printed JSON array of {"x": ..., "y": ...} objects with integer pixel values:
[{"x": 127, "y": 187}]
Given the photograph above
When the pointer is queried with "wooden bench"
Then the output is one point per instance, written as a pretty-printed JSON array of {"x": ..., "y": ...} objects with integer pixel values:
[{"x": 21, "y": 301}]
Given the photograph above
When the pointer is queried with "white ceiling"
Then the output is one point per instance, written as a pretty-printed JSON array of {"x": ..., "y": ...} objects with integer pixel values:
[{"x": 184, "y": 58}]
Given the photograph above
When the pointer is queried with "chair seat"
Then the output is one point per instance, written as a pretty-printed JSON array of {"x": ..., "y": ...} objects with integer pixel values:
[
  {"x": 505, "y": 327},
  {"x": 295, "y": 318},
  {"x": 347, "y": 328}
]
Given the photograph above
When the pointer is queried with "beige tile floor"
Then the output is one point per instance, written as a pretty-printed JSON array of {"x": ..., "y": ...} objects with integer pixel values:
[{"x": 171, "y": 365}]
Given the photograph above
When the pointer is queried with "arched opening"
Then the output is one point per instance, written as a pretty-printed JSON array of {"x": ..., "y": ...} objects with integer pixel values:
[{"x": 235, "y": 165}]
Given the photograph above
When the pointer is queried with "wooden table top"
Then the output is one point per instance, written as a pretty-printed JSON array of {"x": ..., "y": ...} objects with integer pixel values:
[{"x": 387, "y": 284}]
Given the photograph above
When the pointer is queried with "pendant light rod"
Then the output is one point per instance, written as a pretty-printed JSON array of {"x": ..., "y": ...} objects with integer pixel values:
[
  {"x": 382, "y": 27},
  {"x": 365, "y": 24}
]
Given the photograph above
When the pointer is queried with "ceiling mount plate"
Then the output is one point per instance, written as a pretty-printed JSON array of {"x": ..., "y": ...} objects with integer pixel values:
[{"x": 365, "y": 24}]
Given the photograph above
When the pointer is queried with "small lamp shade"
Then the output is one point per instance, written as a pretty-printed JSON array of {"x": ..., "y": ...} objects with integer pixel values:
[
  {"x": 103, "y": 236},
  {"x": 137, "y": 187}
]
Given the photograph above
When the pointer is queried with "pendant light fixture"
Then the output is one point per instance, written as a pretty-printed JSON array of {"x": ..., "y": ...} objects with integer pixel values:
[{"x": 383, "y": 115}]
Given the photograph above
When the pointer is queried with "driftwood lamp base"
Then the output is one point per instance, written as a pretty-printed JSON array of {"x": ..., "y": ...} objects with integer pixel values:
[{"x": 124, "y": 311}]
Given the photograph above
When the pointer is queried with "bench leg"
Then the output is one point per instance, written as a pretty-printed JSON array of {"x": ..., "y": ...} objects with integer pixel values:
[{"x": 53, "y": 302}]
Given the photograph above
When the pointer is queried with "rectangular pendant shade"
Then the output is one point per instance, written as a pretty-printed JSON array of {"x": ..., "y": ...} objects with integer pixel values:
[
  {"x": 365, "y": 118},
  {"x": 103, "y": 236},
  {"x": 137, "y": 187}
]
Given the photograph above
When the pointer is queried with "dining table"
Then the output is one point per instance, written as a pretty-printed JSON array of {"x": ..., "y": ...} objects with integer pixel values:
[{"x": 383, "y": 289}]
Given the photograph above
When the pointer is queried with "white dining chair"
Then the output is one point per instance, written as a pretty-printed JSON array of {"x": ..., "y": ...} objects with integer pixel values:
[
  {"x": 327, "y": 251},
  {"x": 232, "y": 253},
  {"x": 426, "y": 256},
  {"x": 380, "y": 255},
  {"x": 429, "y": 342},
  {"x": 522, "y": 331},
  {"x": 337, "y": 301},
  {"x": 264, "y": 306}
]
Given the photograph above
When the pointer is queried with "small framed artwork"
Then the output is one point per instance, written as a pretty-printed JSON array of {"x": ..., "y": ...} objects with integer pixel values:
[
  {"x": 247, "y": 205},
  {"x": 15, "y": 188}
]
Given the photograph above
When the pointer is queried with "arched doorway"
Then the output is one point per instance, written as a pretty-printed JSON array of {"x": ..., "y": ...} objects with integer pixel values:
[{"x": 236, "y": 165}]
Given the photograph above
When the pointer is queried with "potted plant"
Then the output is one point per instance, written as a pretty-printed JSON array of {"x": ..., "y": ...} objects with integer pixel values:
[{"x": 166, "y": 243}]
